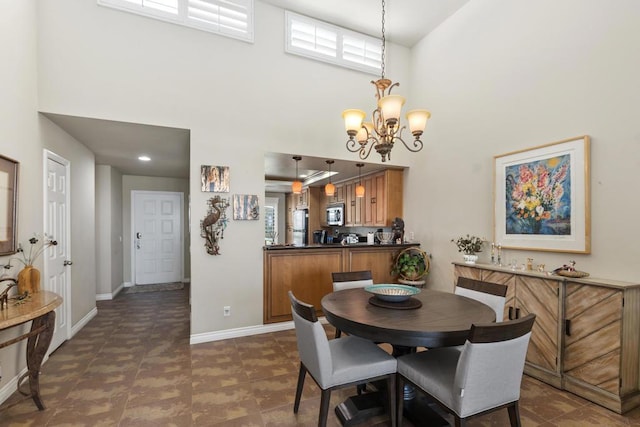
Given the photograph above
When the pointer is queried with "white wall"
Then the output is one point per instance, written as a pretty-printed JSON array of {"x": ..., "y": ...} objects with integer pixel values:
[
  {"x": 109, "y": 274},
  {"x": 238, "y": 100},
  {"x": 504, "y": 75},
  {"x": 19, "y": 138},
  {"x": 23, "y": 136}
]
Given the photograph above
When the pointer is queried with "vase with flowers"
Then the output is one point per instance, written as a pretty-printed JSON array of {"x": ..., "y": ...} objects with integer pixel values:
[
  {"x": 469, "y": 246},
  {"x": 29, "y": 276}
]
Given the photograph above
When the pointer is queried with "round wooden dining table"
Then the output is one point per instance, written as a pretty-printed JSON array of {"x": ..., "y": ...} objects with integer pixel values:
[
  {"x": 444, "y": 319},
  {"x": 441, "y": 319}
]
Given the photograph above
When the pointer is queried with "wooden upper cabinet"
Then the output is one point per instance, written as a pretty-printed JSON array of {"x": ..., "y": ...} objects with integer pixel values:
[{"x": 382, "y": 198}]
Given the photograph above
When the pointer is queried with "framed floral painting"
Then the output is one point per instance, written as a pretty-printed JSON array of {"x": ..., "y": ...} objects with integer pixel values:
[{"x": 541, "y": 197}]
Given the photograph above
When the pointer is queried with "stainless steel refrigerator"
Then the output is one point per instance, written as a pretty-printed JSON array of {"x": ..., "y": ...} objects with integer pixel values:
[{"x": 300, "y": 227}]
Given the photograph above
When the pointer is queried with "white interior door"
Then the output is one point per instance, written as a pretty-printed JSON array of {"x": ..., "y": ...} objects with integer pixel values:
[
  {"x": 157, "y": 237},
  {"x": 57, "y": 271}
]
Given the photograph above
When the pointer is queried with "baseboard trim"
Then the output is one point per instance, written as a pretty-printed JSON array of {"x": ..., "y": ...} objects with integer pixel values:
[
  {"x": 243, "y": 332},
  {"x": 110, "y": 296},
  {"x": 11, "y": 387},
  {"x": 83, "y": 322}
]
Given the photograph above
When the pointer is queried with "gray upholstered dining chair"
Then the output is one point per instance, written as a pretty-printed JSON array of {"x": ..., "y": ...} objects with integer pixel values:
[
  {"x": 339, "y": 362},
  {"x": 349, "y": 280},
  {"x": 483, "y": 377},
  {"x": 491, "y": 294}
]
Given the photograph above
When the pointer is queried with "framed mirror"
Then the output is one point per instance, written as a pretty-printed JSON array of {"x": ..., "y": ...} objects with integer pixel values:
[{"x": 8, "y": 205}]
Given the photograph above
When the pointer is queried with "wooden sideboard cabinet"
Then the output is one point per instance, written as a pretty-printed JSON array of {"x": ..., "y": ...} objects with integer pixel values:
[
  {"x": 539, "y": 295},
  {"x": 586, "y": 339}
]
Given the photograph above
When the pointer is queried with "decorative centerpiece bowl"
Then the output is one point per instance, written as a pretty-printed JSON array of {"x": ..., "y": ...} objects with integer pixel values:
[
  {"x": 385, "y": 237},
  {"x": 392, "y": 293}
]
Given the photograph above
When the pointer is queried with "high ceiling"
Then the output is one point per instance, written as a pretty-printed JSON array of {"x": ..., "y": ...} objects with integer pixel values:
[{"x": 119, "y": 144}]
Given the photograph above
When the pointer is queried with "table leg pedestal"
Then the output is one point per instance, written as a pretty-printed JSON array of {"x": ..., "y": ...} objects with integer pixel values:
[{"x": 358, "y": 408}]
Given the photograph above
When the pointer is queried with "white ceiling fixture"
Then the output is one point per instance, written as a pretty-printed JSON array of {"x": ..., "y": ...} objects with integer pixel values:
[{"x": 385, "y": 127}]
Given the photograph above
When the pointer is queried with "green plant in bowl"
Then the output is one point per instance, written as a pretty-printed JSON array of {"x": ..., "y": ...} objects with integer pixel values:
[{"x": 411, "y": 264}]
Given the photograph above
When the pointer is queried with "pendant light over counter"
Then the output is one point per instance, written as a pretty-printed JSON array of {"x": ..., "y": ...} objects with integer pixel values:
[
  {"x": 360, "y": 187},
  {"x": 296, "y": 186},
  {"x": 330, "y": 189}
]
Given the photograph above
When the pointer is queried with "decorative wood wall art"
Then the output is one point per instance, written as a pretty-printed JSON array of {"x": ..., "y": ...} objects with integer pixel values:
[
  {"x": 245, "y": 206},
  {"x": 214, "y": 179},
  {"x": 213, "y": 225},
  {"x": 542, "y": 197},
  {"x": 8, "y": 205}
]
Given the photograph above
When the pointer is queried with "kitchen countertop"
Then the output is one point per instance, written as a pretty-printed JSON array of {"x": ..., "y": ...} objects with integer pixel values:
[{"x": 338, "y": 245}]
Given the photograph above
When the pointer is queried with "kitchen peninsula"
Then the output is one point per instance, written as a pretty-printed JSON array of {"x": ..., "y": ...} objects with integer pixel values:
[{"x": 307, "y": 272}]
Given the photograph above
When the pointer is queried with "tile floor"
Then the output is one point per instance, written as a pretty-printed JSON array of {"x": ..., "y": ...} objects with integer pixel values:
[{"x": 132, "y": 365}]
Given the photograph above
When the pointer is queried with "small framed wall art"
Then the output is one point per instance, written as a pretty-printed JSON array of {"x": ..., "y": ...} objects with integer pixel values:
[
  {"x": 245, "y": 207},
  {"x": 542, "y": 197},
  {"x": 214, "y": 179}
]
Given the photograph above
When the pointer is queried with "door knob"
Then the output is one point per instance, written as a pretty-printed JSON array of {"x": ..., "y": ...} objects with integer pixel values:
[{"x": 67, "y": 262}]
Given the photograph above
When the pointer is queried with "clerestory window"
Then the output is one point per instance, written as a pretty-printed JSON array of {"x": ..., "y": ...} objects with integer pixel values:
[
  {"x": 230, "y": 18},
  {"x": 329, "y": 43}
]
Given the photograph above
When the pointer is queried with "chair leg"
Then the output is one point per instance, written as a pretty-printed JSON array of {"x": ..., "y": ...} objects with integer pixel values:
[
  {"x": 514, "y": 414},
  {"x": 301, "y": 375},
  {"x": 338, "y": 333},
  {"x": 391, "y": 386},
  {"x": 459, "y": 422},
  {"x": 325, "y": 398},
  {"x": 399, "y": 399}
]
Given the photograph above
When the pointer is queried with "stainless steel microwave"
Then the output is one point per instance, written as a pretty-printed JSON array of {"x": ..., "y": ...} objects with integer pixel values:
[{"x": 335, "y": 215}]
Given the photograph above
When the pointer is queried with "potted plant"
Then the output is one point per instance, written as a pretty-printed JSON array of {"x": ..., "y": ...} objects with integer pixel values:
[
  {"x": 411, "y": 265},
  {"x": 469, "y": 246}
]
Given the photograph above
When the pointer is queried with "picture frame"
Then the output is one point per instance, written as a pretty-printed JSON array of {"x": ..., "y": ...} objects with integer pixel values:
[
  {"x": 245, "y": 207},
  {"x": 214, "y": 179},
  {"x": 9, "y": 172},
  {"x": 542, "y": 197}
]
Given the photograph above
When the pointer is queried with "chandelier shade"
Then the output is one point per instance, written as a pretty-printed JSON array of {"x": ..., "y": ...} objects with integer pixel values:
[{"x": 385, "y": 127}]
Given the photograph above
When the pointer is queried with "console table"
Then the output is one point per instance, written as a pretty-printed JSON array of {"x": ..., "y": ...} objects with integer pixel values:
[{"x": 39, "y": 309}]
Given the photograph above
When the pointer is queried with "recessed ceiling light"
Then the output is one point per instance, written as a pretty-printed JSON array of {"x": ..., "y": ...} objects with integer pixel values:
[{"x": 144, "y": 158}]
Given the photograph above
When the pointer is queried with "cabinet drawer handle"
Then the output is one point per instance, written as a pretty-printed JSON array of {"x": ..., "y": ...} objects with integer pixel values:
[
  {"x": 373, "y": 200},
  {"x": 517, "y": 313},
  {"x": 567, "y": 327},
  {"x": 510, "y": 313}
]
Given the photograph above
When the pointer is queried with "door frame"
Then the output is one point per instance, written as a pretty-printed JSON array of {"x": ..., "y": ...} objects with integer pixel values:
[
  {"x": 133, "y": 223},
  {"x": 46, "y": 156}
]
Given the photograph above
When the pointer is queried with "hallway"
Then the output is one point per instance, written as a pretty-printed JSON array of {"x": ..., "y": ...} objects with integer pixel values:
[{"x": 132, "y": 365}]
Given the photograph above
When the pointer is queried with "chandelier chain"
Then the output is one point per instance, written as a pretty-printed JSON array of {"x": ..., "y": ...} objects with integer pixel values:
[{"x": 384, "y": 44}]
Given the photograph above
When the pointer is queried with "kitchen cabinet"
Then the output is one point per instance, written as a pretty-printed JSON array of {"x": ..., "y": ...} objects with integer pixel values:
[
  {"x": 527, "y": 294},
  {"x": 353, "y": 205},
  {"x": 307, "y": 272},
  {"x": 597, "y": 344},
  {"x": 381, "y": 204},
  {"x": 382, "y": 198}
]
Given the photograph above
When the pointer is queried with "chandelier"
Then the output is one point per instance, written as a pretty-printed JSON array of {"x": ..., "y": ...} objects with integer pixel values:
[{"x": 385, "y": 129}]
